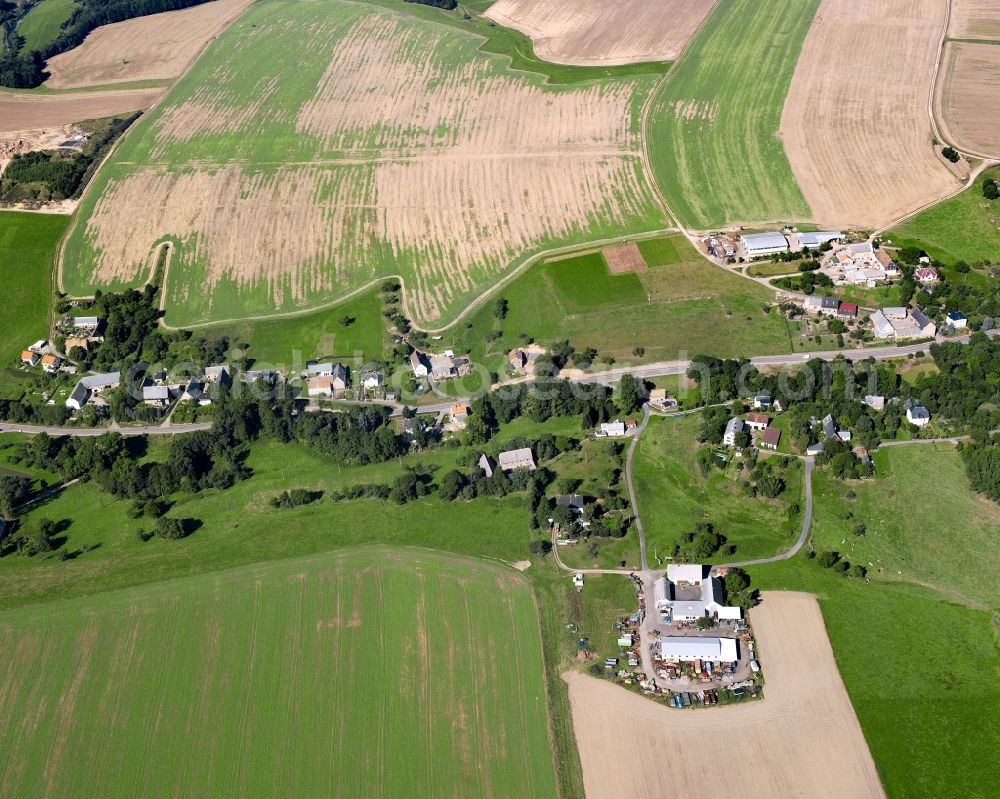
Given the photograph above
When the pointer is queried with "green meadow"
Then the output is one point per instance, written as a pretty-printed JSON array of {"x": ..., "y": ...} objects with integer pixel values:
[
  {"x": 674, "y": 495},
  {"x": 963, "y": 228},
  {"x": 317, "y": 334},
  {"x": 680, "y": 305},
  {"x": 27, "y": 250},
  {"x": 712, "y": 133},
  {"x": 368, "y": 672},
  {"x": 950, "y": 545},
  {"x": 42, "y": 23}
]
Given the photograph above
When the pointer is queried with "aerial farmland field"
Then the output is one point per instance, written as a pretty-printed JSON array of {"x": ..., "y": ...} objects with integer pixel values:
[
  {"x": 154, "y": 47},
  {"x": 361, "y": 142},
  {"x": 966, "y": 96},
  {"x": 594, "y": 32},
  {"x": 713, "y": 128},
  {"x": 363, "y": 673},
  {"x": 862, "y": 150}
]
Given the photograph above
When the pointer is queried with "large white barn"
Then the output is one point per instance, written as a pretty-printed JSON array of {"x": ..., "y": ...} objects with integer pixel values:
[
  {"x": 675, "y": 649},
  {"x": 757, "y": 244}
]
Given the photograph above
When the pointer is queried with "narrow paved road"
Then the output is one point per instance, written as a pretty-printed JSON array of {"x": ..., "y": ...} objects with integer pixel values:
[
  {"x": 148, "y": 430},
  {"x": 643, "y": 563}
]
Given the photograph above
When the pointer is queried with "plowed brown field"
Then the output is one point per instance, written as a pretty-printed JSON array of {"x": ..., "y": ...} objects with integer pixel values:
[
  {"x": 600, "y": 33},
  {"x": 803, "y": 739},
  {"x": 20, "y": 112},
  {"x": 968, "y": 102},
  {"x": 856, "y": 124},
  {"x": 155, "y": 47}
]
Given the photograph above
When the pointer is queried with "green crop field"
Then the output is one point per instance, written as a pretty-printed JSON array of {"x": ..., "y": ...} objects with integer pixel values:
[
  {"x": 362, "y": 673},
  {"x": 712, "y": 133},
  {"x": 27, "y": 251},
  {"x": 674, "y": 496},
  {"x": 686, "y": 305},
  {"x": 391, "y": 144},
  {"x": 41, "y": 25},
  {"x": 964, "y": 228}
]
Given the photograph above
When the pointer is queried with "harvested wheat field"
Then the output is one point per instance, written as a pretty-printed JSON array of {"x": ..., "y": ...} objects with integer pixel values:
[
  {"x": 967, "y": 107},
  {"x": 598, "y": 33},
  {"x": 154, "y": 47},
  {"x": 803, "y": 739},
  {"x": 23, "y": 112},
  {"x": 390, "y": 145},
  {"x": 855, "y": 124},
  {"x": 974, "y": 19}
]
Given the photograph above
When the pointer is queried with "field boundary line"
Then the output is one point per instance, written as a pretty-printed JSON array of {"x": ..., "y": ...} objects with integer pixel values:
[{"x": 567, "y": 249}]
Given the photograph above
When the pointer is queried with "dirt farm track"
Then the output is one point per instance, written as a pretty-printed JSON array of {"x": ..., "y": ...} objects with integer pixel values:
[{"x": 802, "y": 740}]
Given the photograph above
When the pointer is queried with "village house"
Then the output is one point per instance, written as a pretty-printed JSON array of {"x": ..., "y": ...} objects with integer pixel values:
[
  {"x": 418, "y": 364},
  {"x": 574, "y": 502},
  {"x": 615, "y": 429},
  {"x": 829, "y": 427},
  {"x": 733, "y": 426},
  {"x": 88, "y": 386},
  {"x": 902, "y": 323},
  {"x": 516, "y": 459},
  {"x": 84, "y": 325},
  {"x": 322, "y": 386},
  {"x": 847, "y": 310},
  {"x": 51, "y": 363},
  {"x": 371, "y": 379},
  {"x": 252, "y": 376},
  {"x": 317, "y": 369},
  {"x": 219, "y": 374},
  {"x": 757, "y": 421},
  {"x": 459, "y": 414},
  {"x": 443, "y": 367},
  {"x": 29, "y": 357},
  {"x": 156, "y": 396},
  {"x": 918, "y": 415},
  {"x": 194, "y": 391},
  {"x": 770, "y": 438},
  {"x": 926, "y": 275},
  {"x": 957, "y": 320},
  {"x": 485, "y": 464},
  {"x": 886, "y": 262},
  {"x": 517, "y": 359},
  {"x": 814, "y": 449}
]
